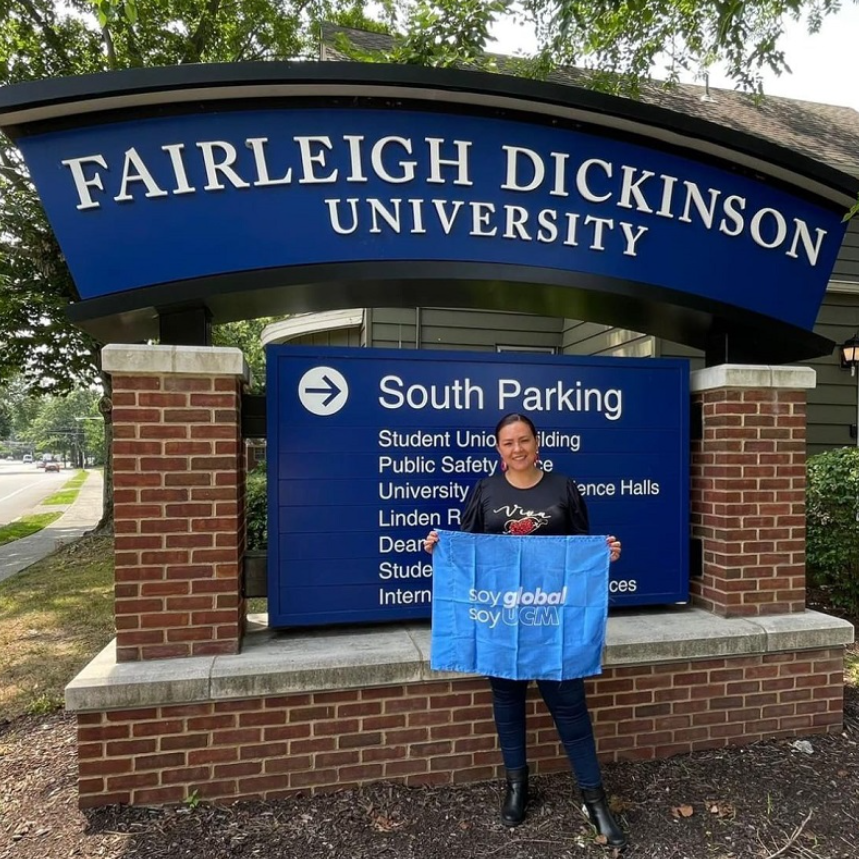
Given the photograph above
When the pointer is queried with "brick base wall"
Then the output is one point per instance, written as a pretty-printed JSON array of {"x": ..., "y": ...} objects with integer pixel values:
[
  {"x": 179, "y": 499},
  {"x": 441, "y": 732},
  {"x": 748, "y": 501}
]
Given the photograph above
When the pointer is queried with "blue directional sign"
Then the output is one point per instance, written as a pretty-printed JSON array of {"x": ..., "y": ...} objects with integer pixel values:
[{"x": 370, "y": 449}]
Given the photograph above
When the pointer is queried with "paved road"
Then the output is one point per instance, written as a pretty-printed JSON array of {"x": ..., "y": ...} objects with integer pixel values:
[
  {"x": 78, "y": 518},
  {"x": 23, "y": 486}
]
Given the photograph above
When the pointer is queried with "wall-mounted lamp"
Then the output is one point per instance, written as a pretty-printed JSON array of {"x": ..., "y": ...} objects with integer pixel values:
[{"x": 850, "y": 358}]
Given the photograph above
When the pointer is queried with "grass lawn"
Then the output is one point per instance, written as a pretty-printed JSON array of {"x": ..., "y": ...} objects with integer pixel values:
[
  {"x": 26, "y": 526},
  {"x": 69, "y": 491},
  {"x": 54, "y": 618}
]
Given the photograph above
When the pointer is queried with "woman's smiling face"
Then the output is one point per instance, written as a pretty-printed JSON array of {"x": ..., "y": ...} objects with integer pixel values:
[{"x": 517, "y": 446}]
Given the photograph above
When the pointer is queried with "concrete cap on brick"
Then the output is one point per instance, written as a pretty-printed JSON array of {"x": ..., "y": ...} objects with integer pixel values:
[
  {"x": 273, "y": 663},
  {"x": 127, "y": 685},
  {"x": 752, "y": 376},
  {"x": 804, "y": 631},
  {"x": 140, "y": 359},
  {"x": 677, "y": 635},
  {"x": 278, "y": 664}
]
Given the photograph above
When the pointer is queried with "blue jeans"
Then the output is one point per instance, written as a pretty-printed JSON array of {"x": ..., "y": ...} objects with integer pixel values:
[{"x": 566, "y": 703}]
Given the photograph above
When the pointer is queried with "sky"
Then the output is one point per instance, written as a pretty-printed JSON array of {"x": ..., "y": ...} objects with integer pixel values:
[{"x": 825, "y": 66}]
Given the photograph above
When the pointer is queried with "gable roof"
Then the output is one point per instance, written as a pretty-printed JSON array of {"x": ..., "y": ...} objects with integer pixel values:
[{"x": 824, "y": 132}]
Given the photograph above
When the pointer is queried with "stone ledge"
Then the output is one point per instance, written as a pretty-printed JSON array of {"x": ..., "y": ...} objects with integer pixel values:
[
  {"x": 282, "y": 663},
  {"x": 752, "y": 376},
  {"x": 178, "y": 360}
]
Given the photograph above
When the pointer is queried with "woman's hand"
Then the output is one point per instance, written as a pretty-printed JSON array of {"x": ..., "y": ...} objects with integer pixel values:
[
  {"x": 430, "y": 540},
  {"x": 613, "y": 547}
]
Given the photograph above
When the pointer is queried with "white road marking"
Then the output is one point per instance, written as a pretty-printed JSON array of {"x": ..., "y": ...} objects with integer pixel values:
[{"x": 12, "y": 494}]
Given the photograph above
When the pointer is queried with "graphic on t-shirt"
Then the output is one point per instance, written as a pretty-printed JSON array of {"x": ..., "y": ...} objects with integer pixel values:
[{"x": 528, "y": 521}]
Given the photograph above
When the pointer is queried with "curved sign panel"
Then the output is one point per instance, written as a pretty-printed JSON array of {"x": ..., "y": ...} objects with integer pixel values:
[
  {"x": 255, "y": 189},
  {"x": 148, "y": 202}
]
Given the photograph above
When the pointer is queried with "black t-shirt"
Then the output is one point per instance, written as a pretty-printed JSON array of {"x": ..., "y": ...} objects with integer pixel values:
[{"x": 552, "y": 507}]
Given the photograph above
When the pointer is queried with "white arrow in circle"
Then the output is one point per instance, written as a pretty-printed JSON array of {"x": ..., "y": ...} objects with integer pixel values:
[{"x": 323, "y": 391}]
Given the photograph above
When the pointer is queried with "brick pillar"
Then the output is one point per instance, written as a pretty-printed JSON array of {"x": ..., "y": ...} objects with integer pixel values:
[
  {"x": 178, "y": 470},
  {"x": 748, "y": 488}
]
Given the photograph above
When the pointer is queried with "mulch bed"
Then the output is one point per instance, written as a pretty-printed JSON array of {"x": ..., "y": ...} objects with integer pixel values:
[{"x": 771, "y": 799}]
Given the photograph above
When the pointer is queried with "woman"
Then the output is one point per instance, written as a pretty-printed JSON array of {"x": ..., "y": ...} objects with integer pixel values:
[{"x": 523, "y": 499}]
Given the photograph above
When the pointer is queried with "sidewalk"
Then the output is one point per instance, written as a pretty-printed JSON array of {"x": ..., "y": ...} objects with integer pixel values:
[{"x": 79, "y": 517}]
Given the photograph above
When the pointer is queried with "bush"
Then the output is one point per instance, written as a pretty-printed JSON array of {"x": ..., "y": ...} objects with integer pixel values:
[
  {"x": 832, "y": 515},
  {"x": 257, "y": 509}
]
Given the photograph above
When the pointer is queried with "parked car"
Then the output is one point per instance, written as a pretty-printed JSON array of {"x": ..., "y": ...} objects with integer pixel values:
[
  {"x": 27, "y": 458},
  {"x": 54, "y": 465}
]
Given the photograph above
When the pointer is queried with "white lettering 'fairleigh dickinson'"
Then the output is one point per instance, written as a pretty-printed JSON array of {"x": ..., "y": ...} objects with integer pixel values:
[{"x": 418, "y": 165}]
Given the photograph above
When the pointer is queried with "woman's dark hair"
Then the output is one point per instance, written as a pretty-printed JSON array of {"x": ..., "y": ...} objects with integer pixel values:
[{"x": 515, "y": 418}]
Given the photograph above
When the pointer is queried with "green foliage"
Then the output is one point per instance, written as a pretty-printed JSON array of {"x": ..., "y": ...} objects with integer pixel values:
[
  {"x": 626, "y": 38},
  {"x": 257, "y": 509},
  {"x": 246, "y": 336},
  {"x": 77, "y": 480},
  {"x": 5, "y": 420},
  {"x": 853, "y": 211},
  {"x": 20, "y": 405},
  {"x": 35, "y": 290},
  {"x": 62, "y": 498},
  {"x": 620, "y": 42},
  {"x": 48, "y": 38},
  {"x": 26, "y": 526},
  {"x": 44, "y": 704},
  {"x": 69, "y": 425},
  {"x": 440, "y": 34},
  {"x": 39, "y": 39},
  {"x": 70, "y": 491},
  {"x": 832, "y": 511}
]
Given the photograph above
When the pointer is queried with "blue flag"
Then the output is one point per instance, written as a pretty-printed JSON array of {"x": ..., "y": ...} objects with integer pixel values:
[{"x": 524, "y": 608}]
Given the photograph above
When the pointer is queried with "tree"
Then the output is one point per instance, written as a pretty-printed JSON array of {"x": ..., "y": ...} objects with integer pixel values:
[
  {"x": 5, "y": 421},
  {"x": 69, "y": 425},
  {"x": 438, "y": 34},
  {"x": 245, "y": 335},
  {"x": 48, "y": 38},
  {"x": 19, "y": 405},
  {"x": 632, "y": 37},
  {"x": 620, "y": 42}
]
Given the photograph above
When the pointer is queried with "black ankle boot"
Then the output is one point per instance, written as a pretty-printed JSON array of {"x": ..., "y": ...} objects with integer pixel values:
[
  {"x": 596, "y": 806},
  {"x": 516, "y": 798}
]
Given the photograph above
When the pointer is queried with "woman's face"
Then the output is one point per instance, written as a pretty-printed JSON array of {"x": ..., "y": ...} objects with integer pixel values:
[{"x": 517, "y": 446}]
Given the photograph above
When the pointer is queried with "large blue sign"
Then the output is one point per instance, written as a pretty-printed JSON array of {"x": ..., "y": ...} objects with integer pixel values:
[
  {"x": 159, "y": 200},
  {"x": 370, "y": 449}
]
